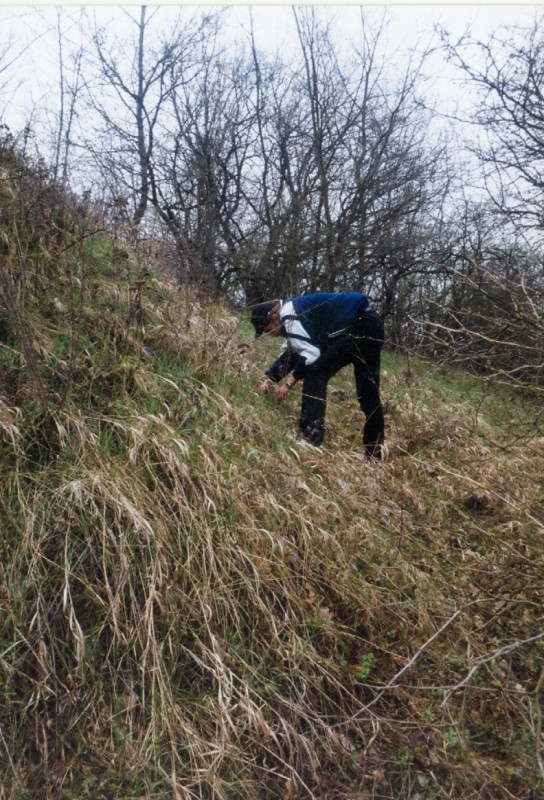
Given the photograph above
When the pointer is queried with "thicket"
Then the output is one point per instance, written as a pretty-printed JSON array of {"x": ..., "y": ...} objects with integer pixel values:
[
  {"x": 194, "y": 603},
  {"x": 327, "y": 170}
]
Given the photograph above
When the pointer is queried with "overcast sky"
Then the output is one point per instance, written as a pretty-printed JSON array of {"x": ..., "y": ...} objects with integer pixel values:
[{"x": 410, "y": 25}]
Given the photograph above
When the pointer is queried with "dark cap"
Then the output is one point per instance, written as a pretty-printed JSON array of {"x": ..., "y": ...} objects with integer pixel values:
[{"x": 260, "y": 316}]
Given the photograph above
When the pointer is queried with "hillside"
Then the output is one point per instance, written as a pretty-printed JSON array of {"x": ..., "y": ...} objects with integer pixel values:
[{"x": 195, "y": 604}]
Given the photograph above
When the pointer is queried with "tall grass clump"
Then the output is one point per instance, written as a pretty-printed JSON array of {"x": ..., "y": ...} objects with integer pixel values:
[{"x": 196, "y": 604}]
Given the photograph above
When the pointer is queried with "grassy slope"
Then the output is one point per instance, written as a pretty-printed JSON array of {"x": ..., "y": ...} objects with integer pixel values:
[{"x": 196, "y": 604}]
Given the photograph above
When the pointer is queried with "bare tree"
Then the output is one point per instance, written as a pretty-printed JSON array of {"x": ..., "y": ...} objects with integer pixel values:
[
  {"x": 71, "y": 83},
  {"x": 400, "y": 175},
  {"x": 380, "y": 179},
  {"x": 197, "y": 178},
  {"x": 279, "y": 193},
  {"x": 330, "y": 119},
  {"x": 487, "y": 315},
  {"x": 11, "y": 54},
  {"x": 132, "y": 85},
  {"x": 507, "y": 73}
]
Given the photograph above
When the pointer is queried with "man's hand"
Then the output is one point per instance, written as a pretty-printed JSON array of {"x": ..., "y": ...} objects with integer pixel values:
[
  {"x": 265, "y": 386},
  {"x": 282, "y": 392}
]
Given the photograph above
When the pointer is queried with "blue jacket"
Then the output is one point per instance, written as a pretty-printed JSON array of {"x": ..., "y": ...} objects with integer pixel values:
[{"x": 309, "y": 324}]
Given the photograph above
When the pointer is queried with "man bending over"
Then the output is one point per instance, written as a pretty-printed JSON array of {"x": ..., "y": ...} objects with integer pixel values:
[{"x": 323, "y": 333}]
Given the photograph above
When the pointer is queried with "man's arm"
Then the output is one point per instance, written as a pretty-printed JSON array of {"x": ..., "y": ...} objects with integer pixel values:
[
  {"x": 298, "y": 340},
  {"x": 282, "y": 366},
  {"x": 285, "y": 388}
]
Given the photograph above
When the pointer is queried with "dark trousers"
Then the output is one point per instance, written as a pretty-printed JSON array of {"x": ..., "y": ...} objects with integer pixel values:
[{"x": 361, "y": 346}]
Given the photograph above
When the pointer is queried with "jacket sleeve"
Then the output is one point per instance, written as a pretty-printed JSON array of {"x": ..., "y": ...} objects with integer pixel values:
[
  {"x": 299, "y": 366},
  {"x": 282, "y": 366},
  {"x": 305, "y": 352},
  {"x": 298, "y": 351}
]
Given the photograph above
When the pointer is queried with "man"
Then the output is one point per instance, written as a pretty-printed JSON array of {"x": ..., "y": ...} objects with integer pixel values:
[{"x": 323, "y": 333}]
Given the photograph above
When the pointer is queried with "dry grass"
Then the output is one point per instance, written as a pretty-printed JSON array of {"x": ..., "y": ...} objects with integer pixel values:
[{"x": 195, "y": 604}]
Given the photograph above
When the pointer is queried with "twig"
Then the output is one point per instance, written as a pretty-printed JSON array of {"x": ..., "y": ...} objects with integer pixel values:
[
  {"x": 481, "y": 661},
  {"x": 394, "y": 680}
]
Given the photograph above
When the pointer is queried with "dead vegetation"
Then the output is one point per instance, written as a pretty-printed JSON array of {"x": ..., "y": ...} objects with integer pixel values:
[{"x": 195, "y": 604}]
